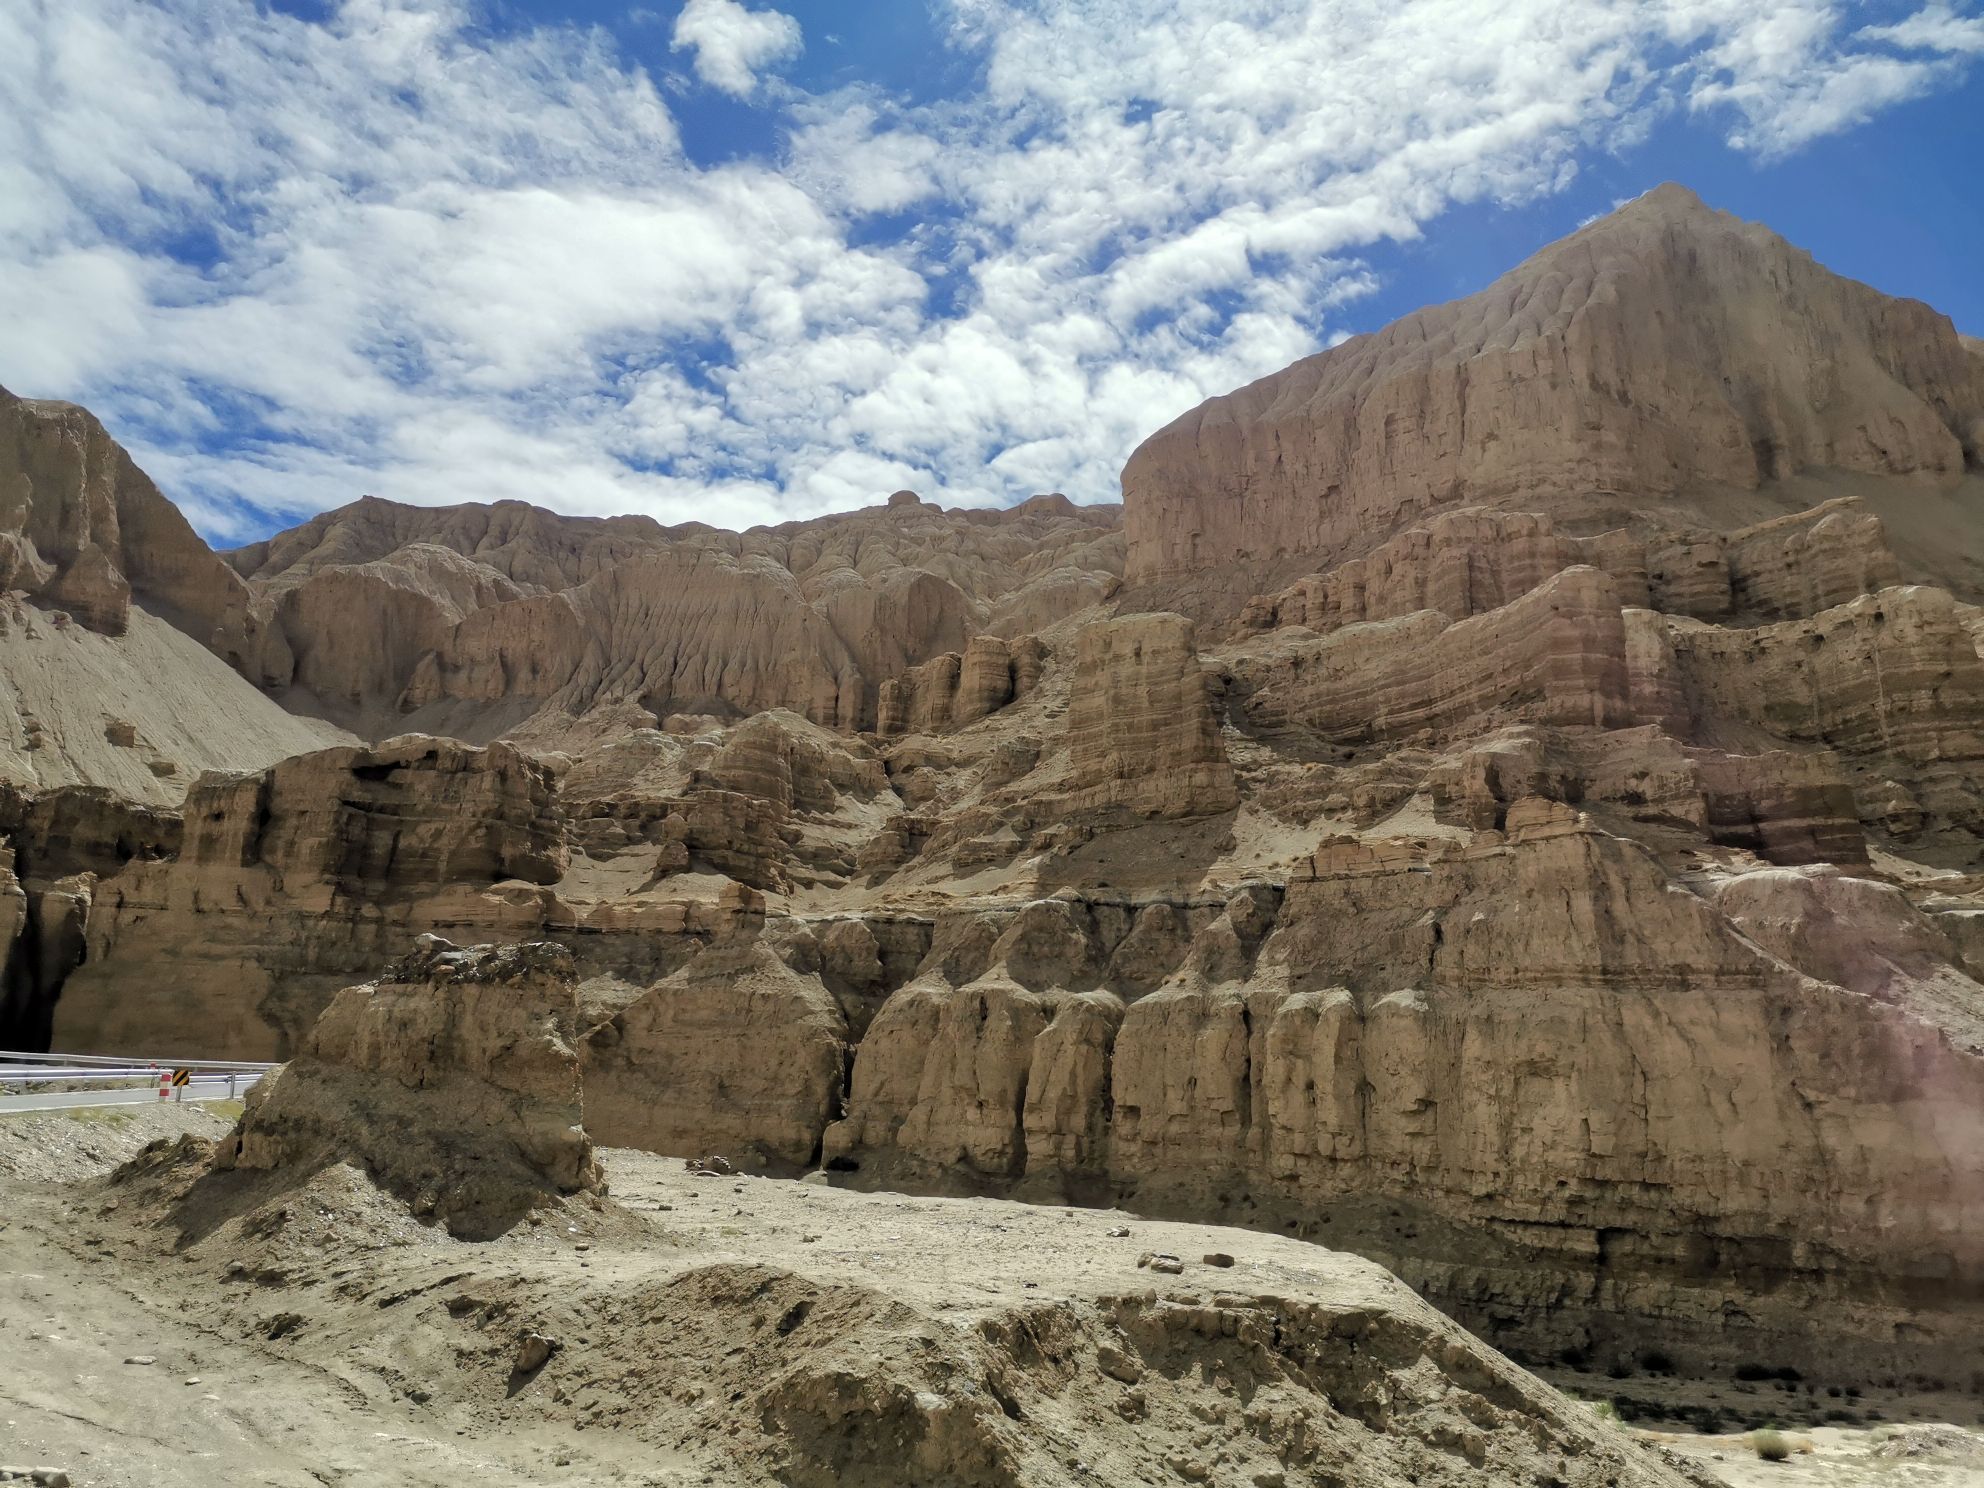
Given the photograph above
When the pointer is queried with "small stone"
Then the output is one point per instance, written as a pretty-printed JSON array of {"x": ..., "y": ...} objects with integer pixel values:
[
  {"x": 532, "y": 1352},
  {"x": 141, "y": 1359},
  {"x": 1121, "y": 1232},
  {"x": 1118, "y": 1365},
  {"x": 49, "y": 1477},
  {"x": 190, "y": 1380},
  {"x": 1218, "y": 1258},
  {"x": 818, "y": 1178},
  {"x": 1270, "y": 1477},
  {"x": 1169, "y": 1265}
]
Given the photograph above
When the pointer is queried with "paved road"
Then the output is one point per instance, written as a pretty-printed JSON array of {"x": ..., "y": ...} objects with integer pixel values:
[{"x": 202, "y": 1088}]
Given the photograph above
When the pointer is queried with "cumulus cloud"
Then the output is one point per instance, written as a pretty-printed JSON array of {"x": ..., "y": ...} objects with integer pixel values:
[
  {"x": 390, "y": 251},
  {"x": 733, "y": 45}
]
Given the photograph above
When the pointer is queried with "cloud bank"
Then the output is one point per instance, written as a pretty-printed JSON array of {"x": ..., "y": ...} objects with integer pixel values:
[{"x": 390, "y": 250}]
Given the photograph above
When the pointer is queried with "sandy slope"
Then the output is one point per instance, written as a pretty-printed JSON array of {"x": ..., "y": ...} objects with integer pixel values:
[
  {"x": 64, "y": 690},
  {"x": 721, "y": 1330}
]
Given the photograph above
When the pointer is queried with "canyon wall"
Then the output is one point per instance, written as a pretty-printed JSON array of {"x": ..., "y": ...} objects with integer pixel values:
[{"x": 1561, "y": 880}]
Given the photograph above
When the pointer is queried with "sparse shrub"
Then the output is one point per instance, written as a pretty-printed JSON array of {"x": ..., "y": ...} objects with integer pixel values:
[
  {"x": 1572, "y": 1358},
  {"x": 1619, "y": 1369},
  {"x": 1752, "y": 1372},
  {"x": 1772, "y": 1446},
  {"x": 1653, "y": 1361}
]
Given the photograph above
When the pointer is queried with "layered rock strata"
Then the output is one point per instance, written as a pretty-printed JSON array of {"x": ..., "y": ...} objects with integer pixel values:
[
  {"x": 1663, "y": 351},
  {"x": 288, "y": 883},
  {"x": 1568, "y": 893},
  {"x": 1141, "y": 733}
]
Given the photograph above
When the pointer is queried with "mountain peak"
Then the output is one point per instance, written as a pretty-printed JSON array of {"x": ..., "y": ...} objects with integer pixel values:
[{"x": 1660, "y": 355}]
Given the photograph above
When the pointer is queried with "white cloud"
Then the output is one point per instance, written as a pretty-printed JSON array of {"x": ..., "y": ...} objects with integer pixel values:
[
  {"x": 1934, "y": 28},
  {"x": 1784, "y": 68},
  {"x": 394, "y": 252},
  {"x": 733, "y": 45}
]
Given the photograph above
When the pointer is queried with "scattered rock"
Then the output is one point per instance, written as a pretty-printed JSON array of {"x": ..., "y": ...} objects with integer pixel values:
[
  {"x": 533, "y": 1350},
  {"x": 1118, "y": 1365}
]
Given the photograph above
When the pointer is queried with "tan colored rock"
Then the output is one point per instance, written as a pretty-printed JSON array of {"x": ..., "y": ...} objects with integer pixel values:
[
  {"x": 1632, "y": 332},
  {"x": 1554, "y": 655},
  {"x": 452, "y": 1082},
  {"x": 954, "y": 691},
  {"x": 1894, "y": 674},
  {"x": 287, "y": 883},
  {"x": 1797, "y": 565},
  {"x": 1141, "y": 732},
  {"x": 1460, "y": 563},
  {"x": 84, "y": 531},
  {"x": 736, "y": 1053},
  {"x": 504, "y": 611}
]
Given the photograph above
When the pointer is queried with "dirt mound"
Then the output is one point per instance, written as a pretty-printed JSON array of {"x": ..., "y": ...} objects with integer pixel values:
[
  {"x": 708, "y": 1327},
  {"x": 452, "y": 1082}
]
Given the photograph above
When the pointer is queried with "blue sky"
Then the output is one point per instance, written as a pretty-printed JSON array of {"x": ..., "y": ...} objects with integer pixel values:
[{"x": 744, "y": 262}]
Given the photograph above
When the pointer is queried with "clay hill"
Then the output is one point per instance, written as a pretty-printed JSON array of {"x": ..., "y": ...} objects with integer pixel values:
[{"x": 1503, "y": 797}]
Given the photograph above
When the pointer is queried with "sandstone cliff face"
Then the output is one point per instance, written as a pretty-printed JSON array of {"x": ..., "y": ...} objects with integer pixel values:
[
  {"x": 83, "y": 530},
  {"x": 1141, "y": 733},
  {"x": 1567, "y": 892},
  {"x": 474, "y": 618},
  {"x": 288, "y": 882},
  {"x": 452, "y": 1081},
  {"x": 1687, "y": 351}
]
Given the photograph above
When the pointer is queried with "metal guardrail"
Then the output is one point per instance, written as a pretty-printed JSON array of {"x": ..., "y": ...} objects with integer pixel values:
[
  {"x": 127, "y": 1061},
  {"x": 30, "y": 1082}
]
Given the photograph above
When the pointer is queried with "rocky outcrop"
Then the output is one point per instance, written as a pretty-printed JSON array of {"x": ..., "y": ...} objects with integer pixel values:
[
  {"x": 480, "y": 617},
  {"x": 1141, "y": 733},
  {"x": 1895, "y": 673},
  {"x": 1460, "y": 563},
  {"x": 1556, "y": 655},
  {"x": 1287, "y": 1069},
  {"x": 1784, "y": 805},
  {"x": 1468, "y": 562},
  {"x": 737, "y": 1053},
  {"x": 954, "y": 691},
  {"x": 1663, "y": 351},
  {"x": 83, "y": 530},
  {"x": 452, "y": 1081},
  {"x": 289, "y": 882}
]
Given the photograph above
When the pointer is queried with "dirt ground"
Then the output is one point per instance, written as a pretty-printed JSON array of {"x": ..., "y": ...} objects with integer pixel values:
[{"x": 169, "y": 1331}]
